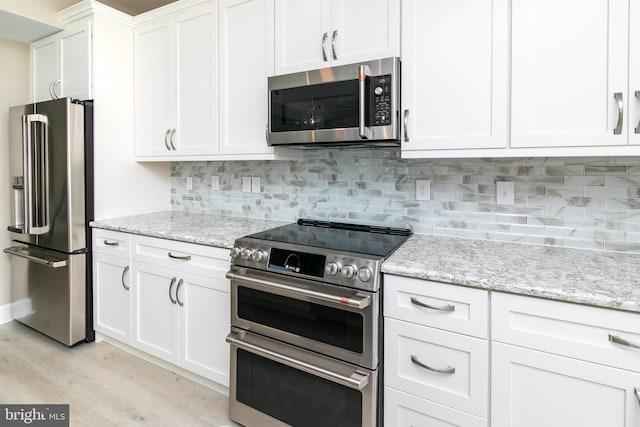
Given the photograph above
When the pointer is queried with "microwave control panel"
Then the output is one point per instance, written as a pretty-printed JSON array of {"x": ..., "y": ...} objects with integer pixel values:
[{"x": 381, "y": 100}]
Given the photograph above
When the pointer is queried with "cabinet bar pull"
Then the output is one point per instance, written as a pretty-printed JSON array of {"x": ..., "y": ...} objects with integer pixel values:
[
  {"x": 637, "y": 94},
  {"x": 637, "y": 393},
  {"x": 617, "y": 340},
  {"x": 124, "y": 273},
  {"x": 173, "y": 133},
  {"x": 447, "y": 308},
  {"x": 415, "y": 361},
  {"x": 109, "y": 243},
  {"x": 166, "y": 139},
  {"x": 618, "y": 97},
  {"x": 182, "y": 257},
  {"x": 173, "y": 281},
  {"x": 333, "y": 44},
  {"x": 324, "y": 49},
  {"x": 180, "y": 303},
  {"x": 406, "y": 125}
]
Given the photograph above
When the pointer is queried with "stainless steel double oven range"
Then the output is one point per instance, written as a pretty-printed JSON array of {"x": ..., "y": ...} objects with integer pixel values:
[{"x": 306, "y": 324}]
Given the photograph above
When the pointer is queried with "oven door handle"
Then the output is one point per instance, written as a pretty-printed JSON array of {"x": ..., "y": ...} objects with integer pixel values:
[
  {"x": 356, "y": 301},
  {"x": 356, "y": 381}
]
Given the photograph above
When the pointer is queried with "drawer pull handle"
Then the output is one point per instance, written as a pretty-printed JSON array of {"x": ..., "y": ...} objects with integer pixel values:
[
  {"x": 108, "y": 243},
  {"x": 617, "y": 340},
  {"x": 124, "y": 273},
  {"x": 637, "y": 393},
  {"x": 173, "y": 282},
  {"x": 447, "y": 308},
  {"x": 182, "y": 257},
  {"x": 415, "y": 361}
]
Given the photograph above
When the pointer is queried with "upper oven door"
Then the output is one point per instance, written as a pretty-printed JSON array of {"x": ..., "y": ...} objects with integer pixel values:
[
  {"x": 347, "y": 104},
  {"x": 332, "y": 320}
]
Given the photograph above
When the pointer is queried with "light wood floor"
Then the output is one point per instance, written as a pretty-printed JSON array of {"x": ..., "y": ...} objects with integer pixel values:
[{"x": 103, "y": 385}]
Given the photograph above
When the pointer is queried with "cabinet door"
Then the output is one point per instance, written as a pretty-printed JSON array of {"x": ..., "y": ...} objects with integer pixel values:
[
  {"x": 196, "y": 114},
  {"x": 75, "y": 61},
  {"x": 112, "y": 297},
  {"x": 363, "y": 30},
  {"x": 634, "y": 72},
  {"x": 302, "y": 35},
  {"x": 455, "y": 74},
  {"x": 155, "y": 312},
  {"x": 533, "y": 389},
  {"x": 44, "y": 68},
  {"x": 246, "y": 60},
  {"x": 204, "y": 319},
  {"x": 153, "y": 89},
  {"x": 566, "y": 69}
]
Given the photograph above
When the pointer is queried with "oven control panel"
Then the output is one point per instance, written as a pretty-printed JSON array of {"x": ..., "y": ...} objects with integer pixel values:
[{"x": 340, "y": 269}]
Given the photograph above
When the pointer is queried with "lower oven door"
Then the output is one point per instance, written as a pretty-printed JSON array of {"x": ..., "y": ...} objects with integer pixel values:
[
  {"x": 332, "y": 320},
  {"x": 274, "y": 384}
]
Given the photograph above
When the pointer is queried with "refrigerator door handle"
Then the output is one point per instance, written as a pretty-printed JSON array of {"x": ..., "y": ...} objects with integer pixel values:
[
  {"x": 36, "y": 173},
  {"x": 24, "y": 253}
]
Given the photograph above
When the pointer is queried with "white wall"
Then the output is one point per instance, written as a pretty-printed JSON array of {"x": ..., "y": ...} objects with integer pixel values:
[{"x": 14, "y": 90}]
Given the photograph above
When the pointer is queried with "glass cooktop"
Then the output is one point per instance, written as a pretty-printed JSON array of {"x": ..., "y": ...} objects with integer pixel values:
[{"x": 344, "y": 237}]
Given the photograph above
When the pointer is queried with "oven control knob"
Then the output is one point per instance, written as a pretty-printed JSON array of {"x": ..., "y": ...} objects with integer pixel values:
[
  {"x": 235, "y": 252},
  {"x": 348, "y": 271},
  {"x": 364, "y": 274},
  {"x": 246, "y": 253},
  {"x": 332, "y": 268},
  {"x": 259, "y": 256}
]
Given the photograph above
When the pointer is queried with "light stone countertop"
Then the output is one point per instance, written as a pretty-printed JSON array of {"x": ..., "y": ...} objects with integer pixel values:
[
  {"x": 604, "y": 279},
  {"x": 187, "y": 227}
]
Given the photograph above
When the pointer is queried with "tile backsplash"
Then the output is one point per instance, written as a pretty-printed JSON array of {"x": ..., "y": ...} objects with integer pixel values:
[{"x": 589, "y": 203}]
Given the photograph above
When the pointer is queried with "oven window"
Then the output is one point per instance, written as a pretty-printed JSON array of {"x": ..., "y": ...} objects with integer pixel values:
[
  {"x": 323, "y": 106},
  {"x": 293, "y": 396},
  {"x": 340, "y": 328}
]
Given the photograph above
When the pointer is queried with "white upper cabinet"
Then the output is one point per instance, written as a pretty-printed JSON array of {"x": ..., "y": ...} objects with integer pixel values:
[
  {"x": 570, "y": 73},
  {"x": 634, "y": 72},
  {"x": 246, "y": 60},
  {"x": 454, "y": 75},
  {"x": 314, "y": 34},
  {"x": 61, "y": 64},
  {"x": 176, "y": 85}
]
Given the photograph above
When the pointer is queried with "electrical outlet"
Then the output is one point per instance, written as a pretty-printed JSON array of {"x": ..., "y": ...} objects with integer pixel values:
[
  {"x": 246, "y": 184},
  {"x": 423, "y": 189},
  {"x": 189, "y": 183},
  {"x": 505, "y": 193},
  {"x": 215, "y": 183},
  {"x": 255, "y": 184}
]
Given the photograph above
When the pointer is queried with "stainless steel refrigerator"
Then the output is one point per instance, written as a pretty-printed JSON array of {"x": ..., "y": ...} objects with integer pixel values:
[{"x": 51, "y": 167}]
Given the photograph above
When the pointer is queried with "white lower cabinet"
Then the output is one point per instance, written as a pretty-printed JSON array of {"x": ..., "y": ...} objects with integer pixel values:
[
  {"x": 558, "y": 364},
  {"x": 176, "y": 307},
  {"x": 533, "y": 388},
  {"x": 433, "y": 374}
]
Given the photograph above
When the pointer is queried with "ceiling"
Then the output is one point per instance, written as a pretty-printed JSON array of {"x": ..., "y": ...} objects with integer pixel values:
[{"x": 135, "y": 7}]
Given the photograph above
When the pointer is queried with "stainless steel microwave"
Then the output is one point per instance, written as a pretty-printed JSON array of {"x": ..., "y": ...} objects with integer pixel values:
[{"x": 348, "y": 105}]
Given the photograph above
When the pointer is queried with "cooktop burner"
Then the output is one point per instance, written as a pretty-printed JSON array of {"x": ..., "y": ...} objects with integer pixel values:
[{"x": 336, "y": 236}]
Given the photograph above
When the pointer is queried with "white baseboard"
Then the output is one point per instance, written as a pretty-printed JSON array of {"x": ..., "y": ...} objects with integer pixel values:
[{"x": 5, "y": 313}]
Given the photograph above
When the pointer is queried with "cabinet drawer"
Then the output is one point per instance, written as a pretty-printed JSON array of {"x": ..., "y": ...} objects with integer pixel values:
[
  {"x": 405, "y": 410},
  {"x": 582, "y": 332},
  {"x": 409, "y": 347},
  {"x": 443, "y": 306},
  {"x": 197, "y": 259},
  {"x": 112, "y": 243}
]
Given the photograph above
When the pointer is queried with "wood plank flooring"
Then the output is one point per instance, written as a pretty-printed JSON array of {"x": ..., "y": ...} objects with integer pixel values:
[{"x": 103, "y": 385}]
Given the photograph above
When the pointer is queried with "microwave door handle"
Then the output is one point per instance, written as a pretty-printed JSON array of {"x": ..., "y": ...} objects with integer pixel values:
[
  {"x": 364, "y": 131},
  {"x": 36, "y": 175}
]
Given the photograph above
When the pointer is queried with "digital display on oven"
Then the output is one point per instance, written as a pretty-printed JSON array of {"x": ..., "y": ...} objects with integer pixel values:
[{"x": 297, "y": 262}]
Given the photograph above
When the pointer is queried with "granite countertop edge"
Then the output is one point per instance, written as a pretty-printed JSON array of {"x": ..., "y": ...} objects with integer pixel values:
[{"x": 609, "y": 280}]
